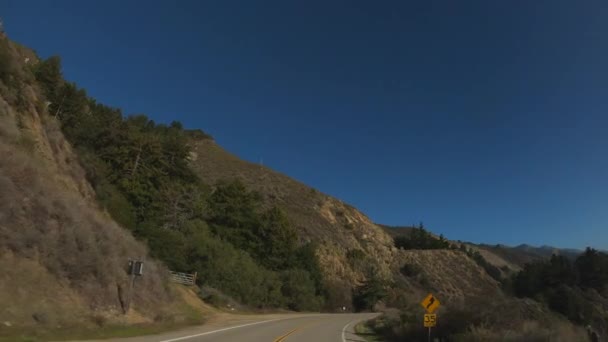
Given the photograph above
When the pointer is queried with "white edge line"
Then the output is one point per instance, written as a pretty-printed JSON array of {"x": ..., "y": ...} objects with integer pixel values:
[
  {"x": 344, "y": 330},
  {"x": 219, "y": 330}
]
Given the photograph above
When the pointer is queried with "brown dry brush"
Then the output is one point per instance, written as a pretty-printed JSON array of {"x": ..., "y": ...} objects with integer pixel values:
[
  {"x": 44, "y": 220},
  {"x": 482, "y": 319}
]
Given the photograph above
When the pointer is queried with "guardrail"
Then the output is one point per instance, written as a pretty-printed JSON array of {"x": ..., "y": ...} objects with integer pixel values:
[{"x": 183, "y": 278}]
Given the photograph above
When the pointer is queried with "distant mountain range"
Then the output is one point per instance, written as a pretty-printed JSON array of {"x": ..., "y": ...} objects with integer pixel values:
[{"x": 517, "y": 255}]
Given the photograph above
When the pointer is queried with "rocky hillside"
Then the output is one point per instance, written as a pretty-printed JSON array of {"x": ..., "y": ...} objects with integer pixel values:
[
  {"x": 63, "y": 260},
  {"x": 351, "y": 245},
  {"x": 337, "y": 227}
]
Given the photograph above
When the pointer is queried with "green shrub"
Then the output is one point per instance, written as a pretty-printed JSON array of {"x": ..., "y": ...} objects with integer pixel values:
[
  {"x": 299, "y": 291},
  {"x": 141, "y": 175},
  {"x": 569, "y": 303},
  {"x": 337, "y": 294},
  {"x": 419, "y": 238},
  {"x": 6, "y": 62},
  {"x": 369, "y": 293}
]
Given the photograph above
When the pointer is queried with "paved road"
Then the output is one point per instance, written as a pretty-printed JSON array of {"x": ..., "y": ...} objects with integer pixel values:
[{"x": 277, "y": 328}]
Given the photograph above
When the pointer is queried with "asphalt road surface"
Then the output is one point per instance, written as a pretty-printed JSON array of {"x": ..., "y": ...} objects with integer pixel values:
[{"x": 273, "y": 328}]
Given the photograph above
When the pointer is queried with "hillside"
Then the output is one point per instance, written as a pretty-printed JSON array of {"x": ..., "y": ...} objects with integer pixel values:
[
  {"x": 336, "y": 226},
  {"x": 353, "y": 250},
  {"x": 63, "y": 259},
  {"x": 507, "y": 258}
]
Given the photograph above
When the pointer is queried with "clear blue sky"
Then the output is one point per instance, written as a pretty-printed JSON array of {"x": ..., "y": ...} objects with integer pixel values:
[{"x": 487, "y": 120}]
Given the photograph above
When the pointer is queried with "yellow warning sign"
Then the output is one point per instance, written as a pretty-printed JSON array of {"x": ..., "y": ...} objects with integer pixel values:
[
  {"x": 430, "y": 320},
  {"x": 430, "y": 303}
]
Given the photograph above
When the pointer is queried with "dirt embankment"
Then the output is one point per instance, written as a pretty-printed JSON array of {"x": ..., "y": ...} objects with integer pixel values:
[{"x": 63, "y": 259}]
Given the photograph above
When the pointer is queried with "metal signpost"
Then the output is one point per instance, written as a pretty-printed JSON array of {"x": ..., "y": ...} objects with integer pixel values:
[
  {"x": 136, "y": 269},
  {"x": 430, "y": 304}
]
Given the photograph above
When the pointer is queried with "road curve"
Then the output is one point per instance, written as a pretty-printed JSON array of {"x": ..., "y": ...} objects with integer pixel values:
[{"x": 275, "y": 328}]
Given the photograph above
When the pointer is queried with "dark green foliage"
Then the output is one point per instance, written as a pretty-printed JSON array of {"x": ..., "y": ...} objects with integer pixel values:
[
  {"x": 536, "y": 277},
  {"x": 419, "y": 238},
  {"x": 562, "y": 284},
  {"x": 233, "y": 215},
  {"x": 337, "y": 294},
  {"x": 299, "y": 290},
  {"x": 116, "y": 204},
  {"x": 306, "y": 259},
  {"x": 369, "y": 293},
  {"x": 592, "y": 267},
  {"x": 6, "y": 62},
  {"x": 569, "y": 302},
  {"x": 220, "y": 265},
  {"x": 169, "y": 246},
  {"x": 49, "y": 77},
  {"x": 278, "y": 240},
  {"x": 141, "y": 174}
]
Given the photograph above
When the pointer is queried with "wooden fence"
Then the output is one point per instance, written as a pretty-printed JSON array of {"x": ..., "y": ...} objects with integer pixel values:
[{"x": 183, "y": 278}]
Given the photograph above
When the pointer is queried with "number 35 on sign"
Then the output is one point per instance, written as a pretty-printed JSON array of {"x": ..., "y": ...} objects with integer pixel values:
[{"x": 430, "y": 320}]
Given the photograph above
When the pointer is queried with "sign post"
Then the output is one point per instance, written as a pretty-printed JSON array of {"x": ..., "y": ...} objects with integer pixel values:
[
  {"x": 430, "y": 305},
  {"x": 136, "y": 268}
]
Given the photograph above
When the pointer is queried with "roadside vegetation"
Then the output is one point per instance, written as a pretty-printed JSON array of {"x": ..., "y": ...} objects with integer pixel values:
[
  {"x": 140, "y": 173},
  {"x": 558, "y": 299},
  {"x": 63, "y": 261},
  {"x": 573, "y": 289},
  {"x": 576, "y": 289},
  {"x": 462, "y": 324}
]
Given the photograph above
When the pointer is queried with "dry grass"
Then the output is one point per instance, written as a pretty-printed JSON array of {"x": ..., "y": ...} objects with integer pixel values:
[
  {"x": 68, "y": 259},
  {"x": 482, "y": 319},
  {"x": 43, "y": 222},
  {"x": 25, "y": 288},
  {"x": 527, "y": 331},
  {"x": 451, "y": 275},
  {"x": 337, "y": 226},
  {"x": 514, "y": 256}
]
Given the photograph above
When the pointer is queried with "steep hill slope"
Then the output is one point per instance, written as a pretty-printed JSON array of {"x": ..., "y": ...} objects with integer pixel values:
[
  {"x": 63, "y": 260},
  {"x": 352, "y": 248},
  {"x": 337, "y": 227},
  {"x": 350, "y": 244}
]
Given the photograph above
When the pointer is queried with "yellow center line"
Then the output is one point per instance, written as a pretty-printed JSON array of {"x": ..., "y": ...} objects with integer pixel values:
[{"x": 284, "y": 336}]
